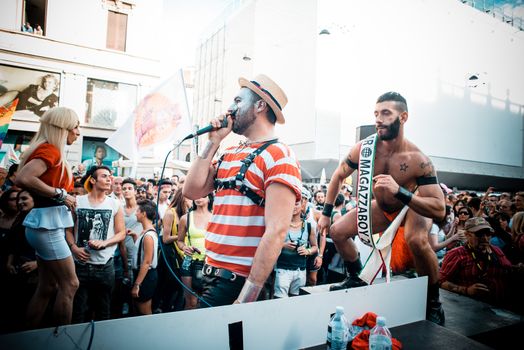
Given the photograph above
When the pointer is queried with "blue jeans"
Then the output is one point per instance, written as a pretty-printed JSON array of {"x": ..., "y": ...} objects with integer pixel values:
[{"x": 94, "y": 292}]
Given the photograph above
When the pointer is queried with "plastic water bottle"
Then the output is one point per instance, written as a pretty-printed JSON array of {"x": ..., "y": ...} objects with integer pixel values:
[
  {"x": 379, "y": 336},
  {"x": 125, "y": 309},
  {"x": 186, "y": 264},
  {"x": 338, "y": 331}
]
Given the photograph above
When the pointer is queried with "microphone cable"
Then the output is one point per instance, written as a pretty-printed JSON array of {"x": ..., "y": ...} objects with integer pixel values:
[{"x": 158, "y": 228}]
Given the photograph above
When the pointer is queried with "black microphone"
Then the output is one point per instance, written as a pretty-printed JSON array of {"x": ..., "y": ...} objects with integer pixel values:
[{"x": 210, "y": 127}]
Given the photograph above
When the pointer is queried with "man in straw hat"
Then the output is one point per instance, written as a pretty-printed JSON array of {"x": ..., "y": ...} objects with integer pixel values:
[
  {"x": 257, "y": 185},
  {"x": 390, "y": 169}
]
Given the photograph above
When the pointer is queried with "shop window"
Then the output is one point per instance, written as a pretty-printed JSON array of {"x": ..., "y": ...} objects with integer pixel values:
[{"x": 109, "y": 104}]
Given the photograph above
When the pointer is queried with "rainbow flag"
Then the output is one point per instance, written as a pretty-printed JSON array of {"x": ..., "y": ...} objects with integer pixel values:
[{"x": 6, "y": 114}]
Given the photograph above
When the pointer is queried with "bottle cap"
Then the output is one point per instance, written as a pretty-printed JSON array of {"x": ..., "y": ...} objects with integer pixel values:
[
  {"x": 340, "y": 309},
  {"x": 381, "y": 321}
]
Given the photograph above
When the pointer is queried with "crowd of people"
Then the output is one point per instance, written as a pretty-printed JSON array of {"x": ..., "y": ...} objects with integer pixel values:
[{"x": 100, "y": 246}]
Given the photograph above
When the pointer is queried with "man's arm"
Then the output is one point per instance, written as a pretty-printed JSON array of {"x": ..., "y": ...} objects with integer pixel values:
[
  {"x": 79, "y": 252},
  {"x": 199, "y": 179},
  {"x": 341, "y": 173},
  {"x": 429, "y": 201},
  {"x": 167, "y": 223},
  {"x": 201, "y": 174},
  {"x": 280, "y": 201},
  {"x": 472, "y": 290},
  {"x": 123, "y": 255}
]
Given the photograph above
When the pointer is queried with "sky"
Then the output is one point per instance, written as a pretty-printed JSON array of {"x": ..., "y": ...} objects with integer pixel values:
[{"x": 184, "y": 23}]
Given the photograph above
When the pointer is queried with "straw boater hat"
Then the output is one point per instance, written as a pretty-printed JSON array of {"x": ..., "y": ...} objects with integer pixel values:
[{"x": 269, "y": 91}]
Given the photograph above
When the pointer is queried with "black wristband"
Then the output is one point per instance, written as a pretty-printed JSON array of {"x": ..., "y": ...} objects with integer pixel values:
[
  {"x": 403, "y": 195},
  {"x": 328, "y": 209}
]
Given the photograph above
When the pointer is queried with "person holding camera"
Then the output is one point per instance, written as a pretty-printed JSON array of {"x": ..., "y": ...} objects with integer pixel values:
[{"x": 300, "y": 242}]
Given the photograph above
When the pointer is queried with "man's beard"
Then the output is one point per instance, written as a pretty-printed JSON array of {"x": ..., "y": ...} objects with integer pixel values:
[
  {"x": 243, "y": 121},
  {"x": 392, "y": 130}
]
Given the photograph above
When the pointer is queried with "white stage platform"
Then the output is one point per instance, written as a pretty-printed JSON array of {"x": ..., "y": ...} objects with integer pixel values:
[{"x": 293, "y": 323}]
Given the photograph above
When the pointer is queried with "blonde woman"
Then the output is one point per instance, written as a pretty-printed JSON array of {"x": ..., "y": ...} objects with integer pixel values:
[{"x": 45, "y": 173}]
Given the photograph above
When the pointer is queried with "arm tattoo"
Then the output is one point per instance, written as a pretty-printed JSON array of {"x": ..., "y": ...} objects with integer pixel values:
[
  {"x": 207, "y": 150},
  {"x": 403, "y": 167},
  {"x": 428, "y": 168}
]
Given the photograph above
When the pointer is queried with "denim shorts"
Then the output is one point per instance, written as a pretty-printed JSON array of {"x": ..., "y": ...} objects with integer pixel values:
[
  {"x": 48, "y": 244},
  {"x": 289, "y": 282}
]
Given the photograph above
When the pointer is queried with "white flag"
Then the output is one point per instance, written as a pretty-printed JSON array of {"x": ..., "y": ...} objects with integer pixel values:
[
  {"x": 323, "y": 177},
  {"x": 161, "y": 118}
]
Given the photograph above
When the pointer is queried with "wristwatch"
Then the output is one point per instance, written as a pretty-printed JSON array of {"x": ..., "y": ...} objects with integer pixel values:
[{"x": 60, "y": 194}]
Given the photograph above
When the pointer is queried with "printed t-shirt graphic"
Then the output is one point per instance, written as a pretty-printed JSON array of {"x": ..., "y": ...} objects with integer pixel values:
[{"x": 93, "y": 224}]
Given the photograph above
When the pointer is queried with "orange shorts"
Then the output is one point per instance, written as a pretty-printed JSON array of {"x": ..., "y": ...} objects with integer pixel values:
[{"x": 401, "y": 257}]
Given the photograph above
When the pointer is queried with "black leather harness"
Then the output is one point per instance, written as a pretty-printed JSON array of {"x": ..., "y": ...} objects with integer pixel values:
[{"x": 238, "y": 182}]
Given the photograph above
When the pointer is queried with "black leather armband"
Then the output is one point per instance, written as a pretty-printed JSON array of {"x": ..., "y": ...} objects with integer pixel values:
[
  {"x": 328, "y": 209},
  {"x": 351, "y": 164},
  {"x": 427, "y": 180},
  {"x": 404, "y": 195}
]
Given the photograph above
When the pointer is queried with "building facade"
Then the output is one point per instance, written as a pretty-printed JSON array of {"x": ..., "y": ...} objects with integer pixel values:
[
  {"x": 462, "y": 80},
  {"x": 99, "y": 56}
]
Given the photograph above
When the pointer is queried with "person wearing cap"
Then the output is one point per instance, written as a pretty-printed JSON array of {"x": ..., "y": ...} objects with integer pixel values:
[
  {"x": 99, "y": 227},
  {"x": 477, "y": 269},
  {"x": 250, "y": 217}
]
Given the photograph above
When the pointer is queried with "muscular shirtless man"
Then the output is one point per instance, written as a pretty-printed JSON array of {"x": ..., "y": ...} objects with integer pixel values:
[{"x": 400, "y": 169}]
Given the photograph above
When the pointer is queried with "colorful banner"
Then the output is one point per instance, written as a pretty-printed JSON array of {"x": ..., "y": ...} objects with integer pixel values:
[
  {"x": 160, "y": 119},
  {"x": 6, "y": 114}
]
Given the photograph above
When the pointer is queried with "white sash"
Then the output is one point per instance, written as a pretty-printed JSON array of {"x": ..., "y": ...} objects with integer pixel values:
[
  {"x": 381, "y": 253},
  {"x": 365, "y": 183}
]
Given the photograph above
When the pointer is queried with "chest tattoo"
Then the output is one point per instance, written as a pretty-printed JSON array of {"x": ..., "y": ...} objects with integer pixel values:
[{"x": 403, "y": 167}]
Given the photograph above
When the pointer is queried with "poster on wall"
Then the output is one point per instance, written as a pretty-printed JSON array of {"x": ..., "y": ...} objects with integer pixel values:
[
  {"x": 95, "y": 152},
  {"x": 36, "y": 90}
]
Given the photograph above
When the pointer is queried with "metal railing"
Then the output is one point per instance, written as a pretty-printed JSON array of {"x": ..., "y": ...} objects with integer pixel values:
[{"x": 505, "y": 14}]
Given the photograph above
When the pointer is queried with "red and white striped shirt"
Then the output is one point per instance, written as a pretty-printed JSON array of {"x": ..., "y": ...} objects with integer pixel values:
[{"x": 238, "y": 224}]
